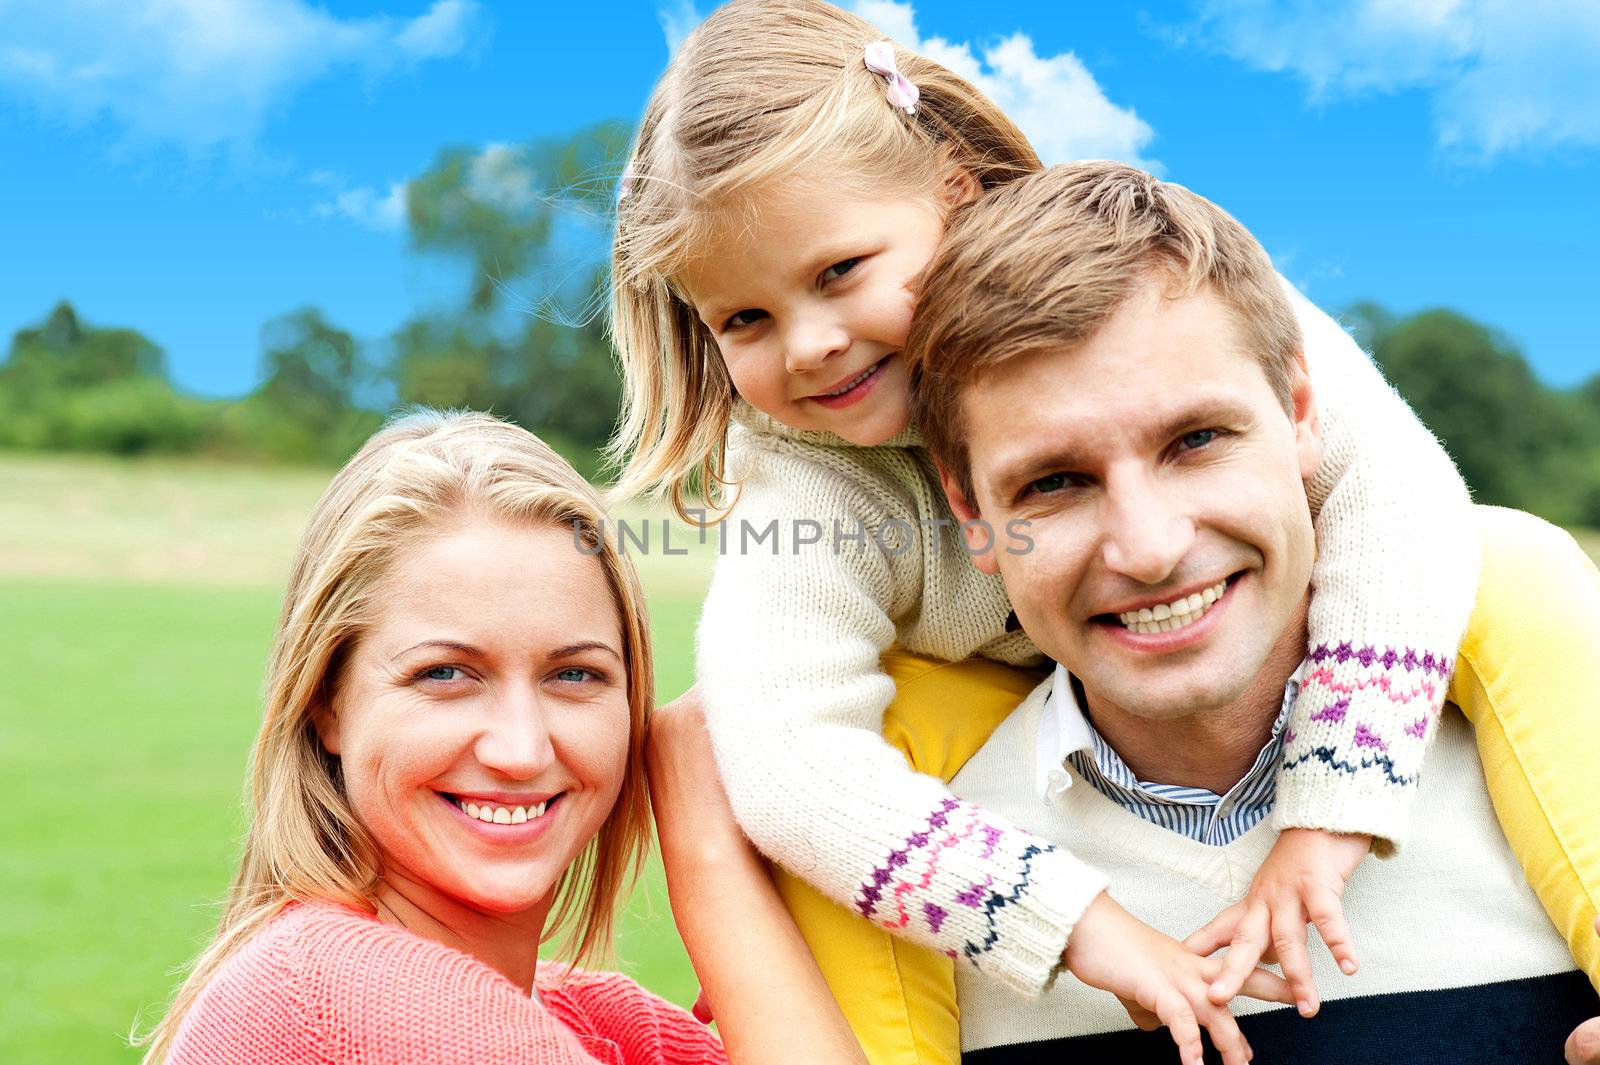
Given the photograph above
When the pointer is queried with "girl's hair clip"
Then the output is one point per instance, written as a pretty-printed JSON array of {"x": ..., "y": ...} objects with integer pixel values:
[
  {"x": 879, "y": 57},
  {"x": 625, "y": 186}
]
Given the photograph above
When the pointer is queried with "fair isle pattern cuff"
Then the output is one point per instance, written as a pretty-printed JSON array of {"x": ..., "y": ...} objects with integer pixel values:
[
  {"x": 1361, "y": 727},
  {"x": 998, "y": 920}
]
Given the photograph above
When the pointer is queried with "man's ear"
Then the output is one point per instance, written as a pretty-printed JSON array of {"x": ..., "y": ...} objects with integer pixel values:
[
  {"x": 1303, "y": 410},
  {"x": 976, "y": 531}
]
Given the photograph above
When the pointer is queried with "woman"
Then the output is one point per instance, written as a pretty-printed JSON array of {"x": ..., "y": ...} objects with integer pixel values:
[{"x": 450, "y": 772}]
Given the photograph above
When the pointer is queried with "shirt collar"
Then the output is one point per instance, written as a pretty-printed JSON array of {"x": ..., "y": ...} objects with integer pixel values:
[{"x": 1064, "y": 729}]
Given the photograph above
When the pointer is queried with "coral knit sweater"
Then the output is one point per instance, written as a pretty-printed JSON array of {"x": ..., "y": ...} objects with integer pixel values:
[{"x": 325, "y": 985}]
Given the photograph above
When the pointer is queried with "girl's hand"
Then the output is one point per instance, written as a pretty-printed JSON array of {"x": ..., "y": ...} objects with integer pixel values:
[
  {"x": 1583, "y": 1045},
  {"x": 1302, "y": 880},
  {"x": 694, "y": 823},
  {"x": 1159, "y": 982}
]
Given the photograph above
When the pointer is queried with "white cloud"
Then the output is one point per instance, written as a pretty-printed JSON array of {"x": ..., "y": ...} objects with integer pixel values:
[
  {"x": 1054, "y": 99},
  {"x": 500, "y": 177},
  {"x": 678, "y": 19},
  {"x": 1500, "y": 76},
  {"x": 368, "y": 207},
  {"x": 448, "y": 28},
  {"x": 203, "y": 73}
]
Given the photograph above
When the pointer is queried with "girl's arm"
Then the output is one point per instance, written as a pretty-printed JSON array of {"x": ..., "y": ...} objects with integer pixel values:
[
  {"x": 765, "y": 990},
  {"x": 788, "y": 665},
  {"x": 1393, "y": 586},
  {"x": 768, "y": 997}
]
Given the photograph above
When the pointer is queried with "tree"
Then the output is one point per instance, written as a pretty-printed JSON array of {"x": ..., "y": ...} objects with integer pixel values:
[
  {"x": 530, "y": 222},
  {"x": 64, "y": 352},
  {"x": 311, "y": 368},
  {"x": 1516, "y": 442},
  {"x": 500, "y": 207},
  {"x": 308, "y": 405},
  {"x": 558, "y": 381}
]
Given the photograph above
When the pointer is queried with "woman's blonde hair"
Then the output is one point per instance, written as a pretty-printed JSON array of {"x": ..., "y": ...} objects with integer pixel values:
[
  {"x": 417, "y": 476},
  {"x": 763, "y": 89}
]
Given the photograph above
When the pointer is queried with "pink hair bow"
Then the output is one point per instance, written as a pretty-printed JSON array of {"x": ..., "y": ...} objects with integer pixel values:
[{"x": 879, "y": 58}]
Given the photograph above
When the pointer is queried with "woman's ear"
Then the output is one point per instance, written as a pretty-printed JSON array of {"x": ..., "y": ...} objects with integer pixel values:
[{"x": 325, "y": 719}]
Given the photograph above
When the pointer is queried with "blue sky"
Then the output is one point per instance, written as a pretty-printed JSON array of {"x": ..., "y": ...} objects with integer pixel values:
[{"x": 192, "y": 168}]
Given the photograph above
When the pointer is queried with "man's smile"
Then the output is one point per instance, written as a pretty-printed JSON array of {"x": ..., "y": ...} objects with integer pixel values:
[{"x": 1174, "y": 613}]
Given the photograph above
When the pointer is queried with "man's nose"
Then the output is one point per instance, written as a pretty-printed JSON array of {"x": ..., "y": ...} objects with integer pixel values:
[
  {"x": 1147, "y": 531},
  {"x": 811, "y": 340},
  {"x": 515, "y": 743}
]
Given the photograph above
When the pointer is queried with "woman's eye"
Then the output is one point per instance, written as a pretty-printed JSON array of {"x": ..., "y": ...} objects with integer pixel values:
[
  {"x": 574, "y": 675},
  {"x": 1197, "y": 439},
  {"x": 743, "y": 318},
  {"x": 839, "y": 269},
  {"x": 441, "y": 673}
]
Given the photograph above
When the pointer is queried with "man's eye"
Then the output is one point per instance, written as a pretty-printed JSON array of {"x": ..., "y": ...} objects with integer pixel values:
[
  {"x": 1045, "y": 485},
  {"x": 1197, "y": 439},
  {"x": 839, "y": 269}
]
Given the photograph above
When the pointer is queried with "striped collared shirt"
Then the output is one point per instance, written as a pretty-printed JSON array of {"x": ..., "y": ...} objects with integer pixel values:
[{"x": 1067, "y": 738}]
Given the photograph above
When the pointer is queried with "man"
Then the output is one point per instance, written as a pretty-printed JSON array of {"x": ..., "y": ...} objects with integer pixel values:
[{"x": 1159, "y": 459}]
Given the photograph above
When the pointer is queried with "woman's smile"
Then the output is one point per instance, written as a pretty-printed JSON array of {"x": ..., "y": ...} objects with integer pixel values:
[{"x": 504, "y": 823}]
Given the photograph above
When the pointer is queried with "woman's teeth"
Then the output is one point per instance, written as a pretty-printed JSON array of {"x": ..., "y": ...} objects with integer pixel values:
[
  {"x": 502, "y": 815},
  {"x": 1176, "y": 614},
  {"x": 863, "y": 376}
]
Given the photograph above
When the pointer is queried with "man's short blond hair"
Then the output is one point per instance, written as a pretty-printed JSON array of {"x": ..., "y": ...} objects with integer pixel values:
[{"x": 1044, "y": 262}]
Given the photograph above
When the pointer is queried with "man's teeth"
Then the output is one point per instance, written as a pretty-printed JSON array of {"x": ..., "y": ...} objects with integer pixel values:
[
  {"x": 1176, "y": 614},
  {"x": 503, "y": 815},
  {"x": 864, "y": 375}
]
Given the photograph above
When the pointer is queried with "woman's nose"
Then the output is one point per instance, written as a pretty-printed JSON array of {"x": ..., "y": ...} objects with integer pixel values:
[{"x": 516, "y": 742}]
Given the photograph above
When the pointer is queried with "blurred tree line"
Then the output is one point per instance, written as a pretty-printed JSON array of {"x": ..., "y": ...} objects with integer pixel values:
[
  {"x": 526, "y": 341},
  {"x": 1517, "y": 442}
]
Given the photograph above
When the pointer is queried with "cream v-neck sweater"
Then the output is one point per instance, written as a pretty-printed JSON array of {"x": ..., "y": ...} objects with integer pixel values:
[
  {"x": 834, "y": 552},
  {"x": 1446, "y": 930}
]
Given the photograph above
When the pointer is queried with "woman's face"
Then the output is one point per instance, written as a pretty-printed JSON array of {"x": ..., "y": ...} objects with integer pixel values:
[{"x": 482, "y": 722}]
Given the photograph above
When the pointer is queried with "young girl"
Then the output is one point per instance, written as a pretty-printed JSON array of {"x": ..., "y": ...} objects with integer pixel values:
[{"x": 770, "y": 379}]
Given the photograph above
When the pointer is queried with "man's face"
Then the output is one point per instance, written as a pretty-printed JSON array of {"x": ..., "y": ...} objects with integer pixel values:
[{"x": 1163, "y": 483}]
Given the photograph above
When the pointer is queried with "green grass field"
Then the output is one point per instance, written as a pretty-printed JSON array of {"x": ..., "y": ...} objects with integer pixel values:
[{"x": 137, "y": 603}]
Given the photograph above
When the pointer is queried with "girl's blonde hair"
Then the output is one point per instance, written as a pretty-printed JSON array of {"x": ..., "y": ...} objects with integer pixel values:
[
  {"x": 763, "y": 89},
  {"x": 413, "y": 479}
]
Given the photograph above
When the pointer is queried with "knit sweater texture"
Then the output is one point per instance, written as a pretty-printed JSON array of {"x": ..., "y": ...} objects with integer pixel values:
[
  {"x": 325, "y": 985},
  {"x": 1458, "y": 961},
  {"x": 835, "y": 552}
]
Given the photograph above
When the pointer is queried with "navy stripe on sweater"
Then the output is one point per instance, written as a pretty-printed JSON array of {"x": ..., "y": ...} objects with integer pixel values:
[{"x": 1508, "y": 1023}]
